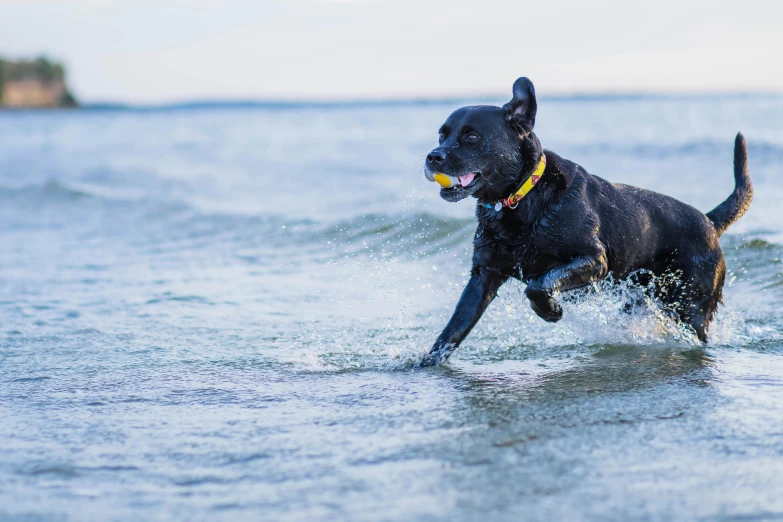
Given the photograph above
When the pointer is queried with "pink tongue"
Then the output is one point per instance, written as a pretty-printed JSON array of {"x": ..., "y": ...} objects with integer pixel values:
[{"x": 466, "y": 179}]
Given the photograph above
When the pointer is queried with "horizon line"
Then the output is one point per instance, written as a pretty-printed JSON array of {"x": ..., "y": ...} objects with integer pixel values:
[
  {"x": 358, "y": 102},
  {"x": 279, "y": 102}
]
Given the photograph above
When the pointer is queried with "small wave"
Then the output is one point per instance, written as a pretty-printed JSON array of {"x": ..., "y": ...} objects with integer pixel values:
[
  {"x": 32, "y": 379},
  {"x": 69, "y": 470},
  {"x": 54, "y": 190},
  {"x": 758, "y": 244},
  {"x": 60, "y": 470},
  {"x": 245, "y": 458},
  {"x": 383, "y": 236},
  {"x": 171, "y": 225},
  {"x": 180, "y": 298},
  {"x": 206, "y": 480}
]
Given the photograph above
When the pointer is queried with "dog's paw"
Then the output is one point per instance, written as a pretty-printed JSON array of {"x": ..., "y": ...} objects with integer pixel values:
[
  {"x": 552, "y": 313},
  {"x": 437, "y": 355},
  {"x": 544, "y": 305},
  {"x": 429, "y": 360}
]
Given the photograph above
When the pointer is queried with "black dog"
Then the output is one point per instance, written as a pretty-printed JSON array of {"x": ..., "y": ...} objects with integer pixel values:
[{"x": 571, "y": 228}]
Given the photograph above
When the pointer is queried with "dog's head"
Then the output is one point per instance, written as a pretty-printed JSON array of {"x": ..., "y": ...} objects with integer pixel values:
[{"x": 486, "y": 151}]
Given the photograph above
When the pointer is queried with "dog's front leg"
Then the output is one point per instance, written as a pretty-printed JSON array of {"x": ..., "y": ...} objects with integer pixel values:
[
  {"x": 576, "y": 274},
  {"x": 480, "y": 291}
]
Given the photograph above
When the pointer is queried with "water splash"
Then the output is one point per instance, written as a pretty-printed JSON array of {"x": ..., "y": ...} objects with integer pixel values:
[{"x": 609, "y": 313}]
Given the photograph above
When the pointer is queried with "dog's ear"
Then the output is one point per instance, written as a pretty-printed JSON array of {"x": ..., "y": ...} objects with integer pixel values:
[{"x": 520, "y": 112}]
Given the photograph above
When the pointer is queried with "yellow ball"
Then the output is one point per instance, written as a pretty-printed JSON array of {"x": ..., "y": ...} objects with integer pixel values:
[{"x": 442, "y": 179}]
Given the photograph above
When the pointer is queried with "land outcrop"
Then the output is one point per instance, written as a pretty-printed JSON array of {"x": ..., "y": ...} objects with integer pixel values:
[{"x": 32, "y": 84}]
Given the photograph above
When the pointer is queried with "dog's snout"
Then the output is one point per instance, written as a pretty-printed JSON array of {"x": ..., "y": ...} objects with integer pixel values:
[{"x": 436, "y": 158}]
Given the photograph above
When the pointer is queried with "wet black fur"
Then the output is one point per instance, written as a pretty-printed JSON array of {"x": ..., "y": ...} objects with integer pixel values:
[{"x": 573, "y": 228}]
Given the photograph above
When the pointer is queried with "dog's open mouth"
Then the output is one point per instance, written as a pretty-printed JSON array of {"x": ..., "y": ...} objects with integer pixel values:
[
  {"x": 455, "y": 188},
  {"x": 450, "y": 182}
]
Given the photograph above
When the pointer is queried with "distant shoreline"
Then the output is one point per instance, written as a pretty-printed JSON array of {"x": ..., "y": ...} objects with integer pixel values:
[
  {"x": 393, "y": 102},
  {"x": 272, "y": 104}
]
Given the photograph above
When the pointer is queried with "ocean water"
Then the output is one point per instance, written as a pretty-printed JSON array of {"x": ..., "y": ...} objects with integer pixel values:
[{"x": 214, "y": 313}]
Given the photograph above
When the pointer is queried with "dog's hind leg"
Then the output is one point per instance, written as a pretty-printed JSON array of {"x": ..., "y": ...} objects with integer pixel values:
[
  {"x": 698, "y": 315},
  {"x": 640, "y": 281},
  {"x": 700, "y": 312},
  {"x": 696, "y": 295}
]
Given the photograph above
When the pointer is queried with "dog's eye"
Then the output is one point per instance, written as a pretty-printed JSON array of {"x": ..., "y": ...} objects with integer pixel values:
[
  {"x": 471, "y": 137},
  {"x": 441, "y": 137}
]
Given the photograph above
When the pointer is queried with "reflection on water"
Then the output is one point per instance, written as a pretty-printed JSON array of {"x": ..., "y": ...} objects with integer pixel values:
[
  {"x": 612, "y": 369},
  {"x": 506, "y": 395}
]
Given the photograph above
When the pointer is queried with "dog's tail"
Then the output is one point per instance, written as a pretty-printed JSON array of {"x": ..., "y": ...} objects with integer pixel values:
[{"x": 737, "y": 204}]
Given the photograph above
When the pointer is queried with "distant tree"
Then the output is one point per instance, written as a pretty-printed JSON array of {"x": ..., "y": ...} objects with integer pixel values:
[
  {"x": 69, "y": 100},
  {"x": 45, "y": 70},
  {"x": 59, "y": 71}
]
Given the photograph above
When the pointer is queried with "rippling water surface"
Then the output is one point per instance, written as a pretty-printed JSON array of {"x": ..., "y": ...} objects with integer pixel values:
[{"x": 213, "y": 314}]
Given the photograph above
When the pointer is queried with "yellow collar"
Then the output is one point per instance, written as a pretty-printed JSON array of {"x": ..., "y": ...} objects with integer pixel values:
[{"x": 526, "y": 187}]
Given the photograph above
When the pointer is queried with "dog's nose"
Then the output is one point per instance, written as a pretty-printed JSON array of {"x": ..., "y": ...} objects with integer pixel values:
[{"x": 435, "y": 158}]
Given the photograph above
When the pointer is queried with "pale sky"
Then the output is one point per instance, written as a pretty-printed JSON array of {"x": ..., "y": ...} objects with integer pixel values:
[{"x": 173, "y": 50}]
